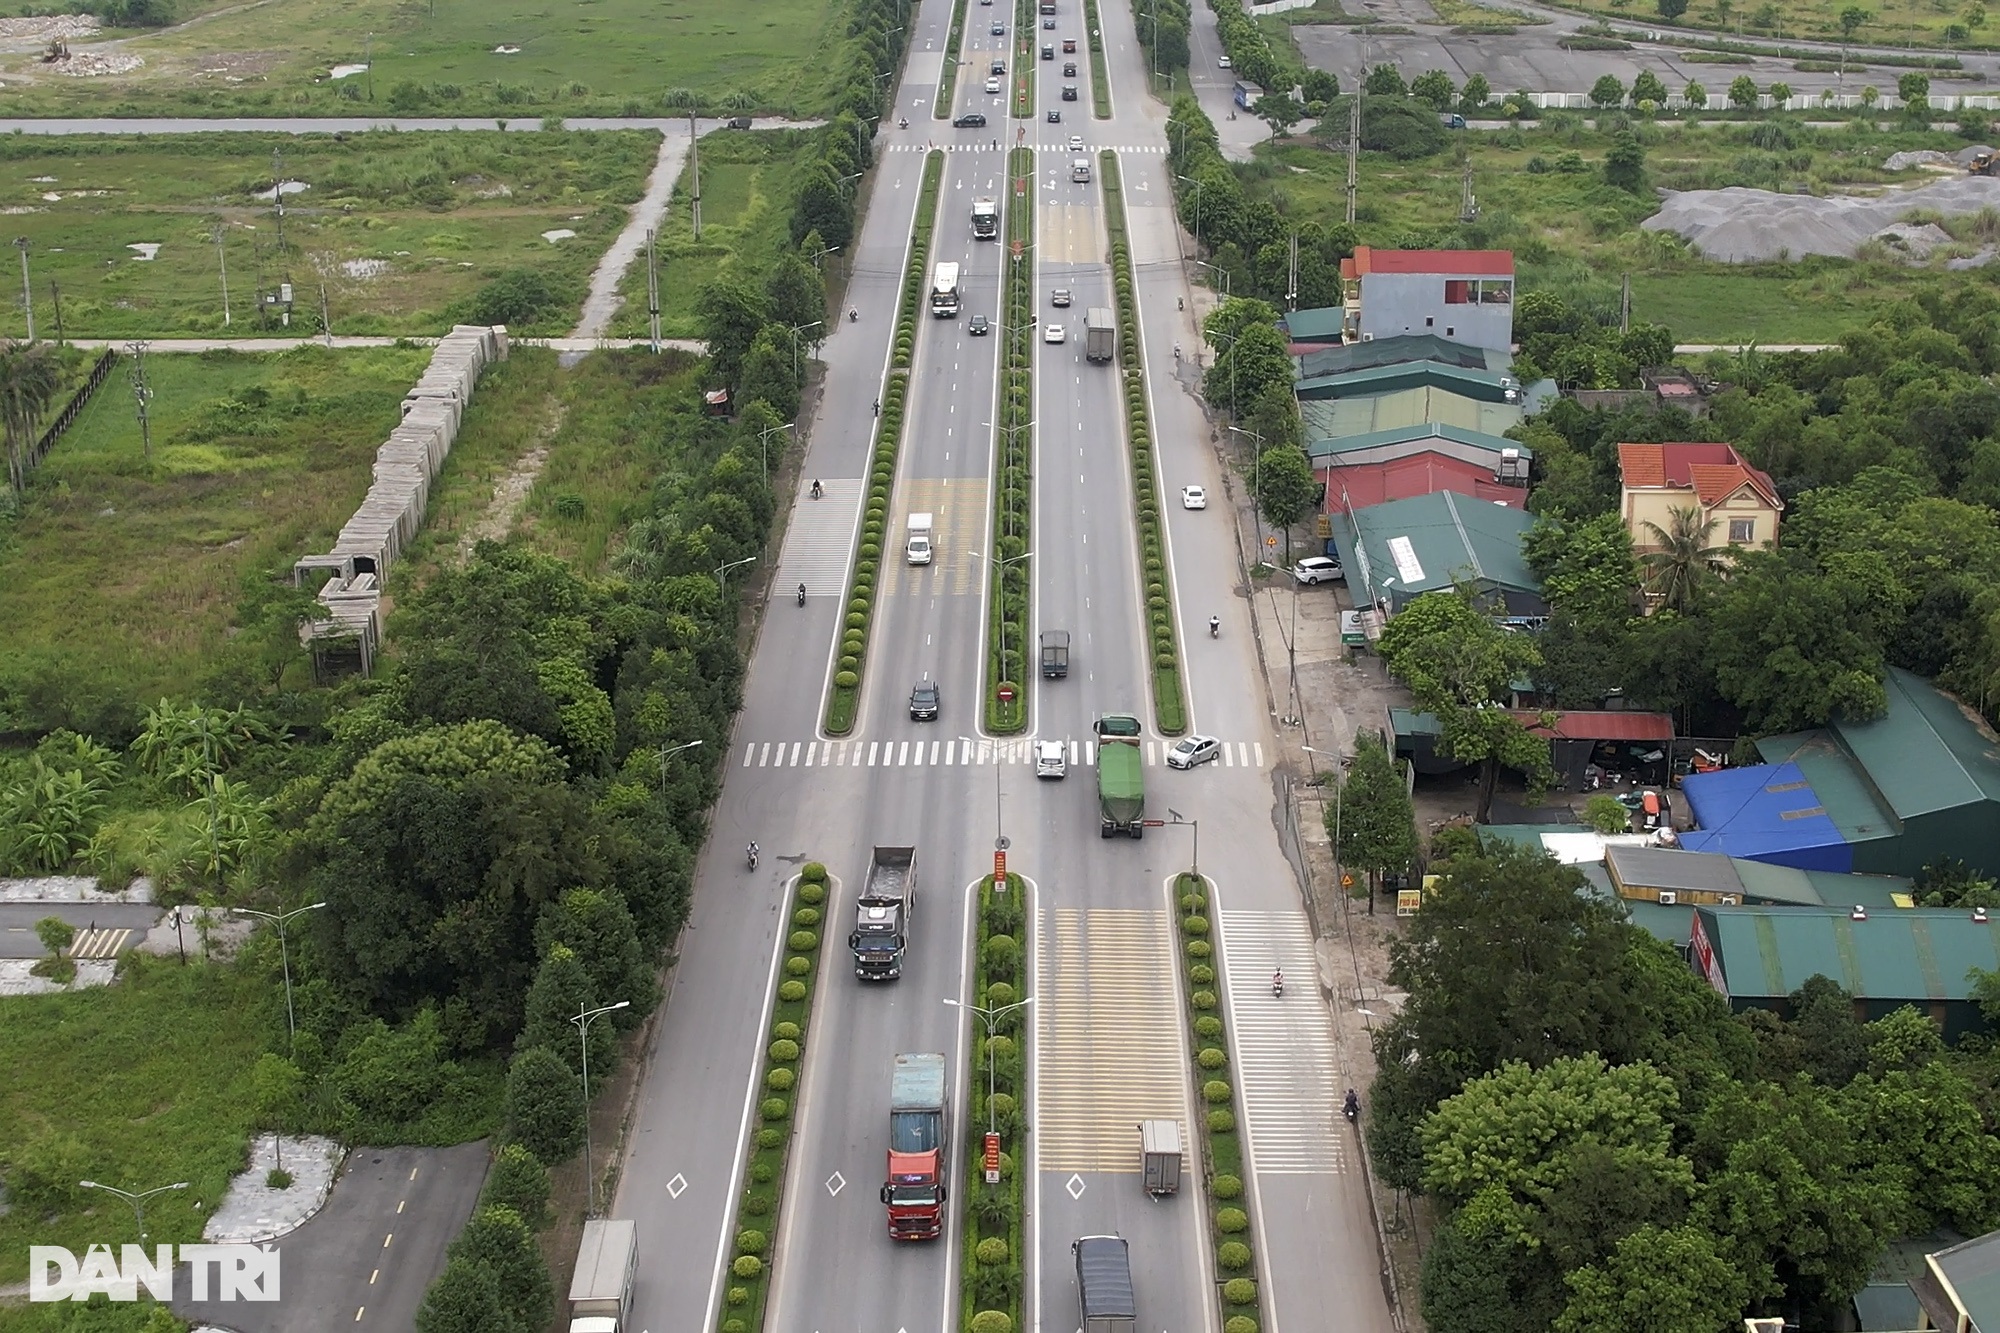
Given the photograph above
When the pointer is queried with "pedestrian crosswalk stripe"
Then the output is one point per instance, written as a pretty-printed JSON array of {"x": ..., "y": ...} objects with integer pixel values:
[
  {"x": 1108, "y": 1036},
  {"x": 95, "y": 943},
  {"x": 1288, "y": 1070},
  {"x": 1054, "y": 148},
  {"x": 931, "y": 754},
  {"x": 820, "y": 538}
]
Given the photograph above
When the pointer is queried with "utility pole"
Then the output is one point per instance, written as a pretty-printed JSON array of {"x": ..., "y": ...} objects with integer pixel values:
[
  {"x": 278, "y": 193},
  {"x": 27, "y": 296},
  {"x": 1353, "y": 152},
  {"x": 368, "y": 61},
  {"x": 1292, "y": 275},
  {"x": 1625, "y": 304},
  {"x": 56, "y": 292},
  {"x": 1468, "y": 207},
  {"x": 142, "y": 393},
  {"x": 325, "y": 320},
  {"x": 222, "y": 263},
  {"x": 694, "y": 163},
  {"x": 652, "y": 293}
]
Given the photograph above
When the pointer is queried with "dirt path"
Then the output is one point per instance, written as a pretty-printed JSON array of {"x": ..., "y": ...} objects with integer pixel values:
[
  {"x": 603, "y": 301},
  {"x": 510, "y": 495}
]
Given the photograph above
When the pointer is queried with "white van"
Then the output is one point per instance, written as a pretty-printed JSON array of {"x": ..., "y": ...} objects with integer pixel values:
[{"x": 1079, "y": 169}]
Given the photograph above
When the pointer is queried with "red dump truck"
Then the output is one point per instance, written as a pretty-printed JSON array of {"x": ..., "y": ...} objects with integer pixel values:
[{"x": 919, "y": 1148}]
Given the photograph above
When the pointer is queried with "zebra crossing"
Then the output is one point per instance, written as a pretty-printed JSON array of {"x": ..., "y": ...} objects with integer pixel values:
[
  {"x": 1061, "y": 147},
  {"x": 1287, "y": 1068},
  {"x": 820, "y": 537},
  {"x": 1108, "y": 1036},
  {"x": 922, "y": 753},
  {"x": 100, "y": 943}
]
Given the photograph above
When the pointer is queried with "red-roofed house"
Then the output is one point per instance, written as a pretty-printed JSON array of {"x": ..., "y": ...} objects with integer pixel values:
[
  {"x": 1657, "y": 479},
  {"x": 1359, "y": 485},
  {"x": 1463, "y": 296}
]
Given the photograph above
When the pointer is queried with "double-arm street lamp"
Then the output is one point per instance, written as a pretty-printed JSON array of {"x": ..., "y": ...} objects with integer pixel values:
[
  {"x": 1256, "y": 472},
  {"x": 1174, "y": 818},
  {"x": 992, "y": 1017},
  {"x": 1000, "y": 590},
  {"x": 285, "y": 954},
  {"x": 136, "y": 1199},
  {"x": 722, "y": 574},
  {"x": 584, "y": 1018},
  {"x": 764, "y": 436}
]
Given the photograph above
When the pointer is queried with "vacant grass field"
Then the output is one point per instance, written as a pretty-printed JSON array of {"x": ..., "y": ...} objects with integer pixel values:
[
  {"x": 746, "y": 183},
  {"x": 1949, "y": 23},
  {"x": 1541, "y": 194},
  {"x": 132, "y": 570},
  {"x": 142, "y": 1083},
  {"x": 403, "y": 230},
  {"x": 474, "y": 57}
]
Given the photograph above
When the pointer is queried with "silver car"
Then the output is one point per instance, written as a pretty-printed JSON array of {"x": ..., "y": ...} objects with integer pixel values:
[
  {"x": 1192, "y": 750},
  {"x": 1051, "y": 759},
  {"x": 1318, "y": 569}
]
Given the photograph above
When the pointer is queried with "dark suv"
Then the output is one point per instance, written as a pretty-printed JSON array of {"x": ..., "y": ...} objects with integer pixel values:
[
  {"x": 971, "y": 120},
  {"x": 924, "y": 702}
]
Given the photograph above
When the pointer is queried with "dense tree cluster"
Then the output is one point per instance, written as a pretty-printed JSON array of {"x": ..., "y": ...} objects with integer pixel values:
[{"x": 1614, "y": 1150}]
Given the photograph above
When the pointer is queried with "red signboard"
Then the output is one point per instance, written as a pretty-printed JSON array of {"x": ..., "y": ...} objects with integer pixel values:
[
  {"x": 993, "y": 1158},
  {"x": 1006, "y": 694},
  {"x": 1706, "y": 964},
  {"x": 1000, "y": 872}
]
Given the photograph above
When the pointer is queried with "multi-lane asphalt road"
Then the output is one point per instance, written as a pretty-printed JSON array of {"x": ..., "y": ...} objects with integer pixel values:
[{"x": 1108, "y": 1047}]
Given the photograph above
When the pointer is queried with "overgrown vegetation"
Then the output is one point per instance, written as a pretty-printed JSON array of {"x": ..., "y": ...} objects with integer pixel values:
[
  {"x": 1009, "y": 580},
  {"x": 992, "y": 1265}
]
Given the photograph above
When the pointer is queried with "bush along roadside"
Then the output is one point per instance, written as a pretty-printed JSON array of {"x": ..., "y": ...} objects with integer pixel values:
[
  {"x": 1100, "y": 73},
  {"x": 845, "y": 696},
  {"x": 1221, "y": 1140},
  {"x": 948, "y": 78},
  {"x": 1169, "y": 705},
  {"x": 990, "y": 1283},
  {"x": 1008, "y": 574},
  {"x": 749, "y": 1281}
]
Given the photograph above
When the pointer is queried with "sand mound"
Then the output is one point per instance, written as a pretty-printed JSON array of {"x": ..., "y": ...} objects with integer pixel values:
[{"x": 1743, "y": 226}]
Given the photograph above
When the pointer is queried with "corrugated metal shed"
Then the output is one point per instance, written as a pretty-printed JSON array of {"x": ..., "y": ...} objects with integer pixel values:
[
  {"x": 1397, "y": 551},
  {"x": 1336, "y": 360},
  {"x": 1484, "y": 385},
  {"x": 1404, "y": 408},
  {"x": 1378, "y": 446}
]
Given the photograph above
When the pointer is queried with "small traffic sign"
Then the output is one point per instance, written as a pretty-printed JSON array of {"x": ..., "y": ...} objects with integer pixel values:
[
  {"x": 1154, "y": 823},
  {"x": 1270, "y": 543},
  {"x": 992, "y": 1161},
  {"x": 1006, "y": 694}
]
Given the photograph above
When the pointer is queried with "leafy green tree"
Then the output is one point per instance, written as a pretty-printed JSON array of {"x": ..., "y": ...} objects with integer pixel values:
[
  {"x": 1434, "y": 86},
  {"x": 519, "y": 1181},
  {"x": 389, "y": 1077},
  {"x": 518, "y": 297},
  {"x": 1914, "y": 89},
  {"x": 545, "y": 1105},
  {"x": 1406, "y": 130},
  {"x": 1319, "y": 85},
  {"x": 769, "y": 375},
  {"x": 1249, "y": 365},
  {"x": 561, "y": 991},
  {"x": 1476, "y": 1278},
  {"x": 1279, "y": 111},
  {"x": 1682, "y": 566},
  {"x": 1586, "y": 568},
  {"x": 1670, "y": 10},
  {"x": 1475, "y": 95},
  {"x": 278, "y": 1090},
  {"x": 1607, "y": 92},
  {"x": 1373, "y": 823},
  {"x": 1287, "y": 489},
  {"x": 796, "y": 292},
  {"x": 1648, "y": 88},
  {"x": 823, "y": 206},
  {"x": 731, "y": 313},
  {"x": 597, "y": 925},
  {"x": 30, "y": 379},
  {"x": 1743, "y": 92},
  {"x": 1625, "y": 165},
  {"x": 1273, "y": 417},
  {"x": 1385, "y": 81},
  {"x": 1459, "y": 666},
  {"x": 465, "y": 1299},
  {"x": 1656, "y": 1281},
  {"x": 1924, "y": 1125},
  {"x": 1694, "y": 94},
  {"x": 1789, "y": 647},
  {"x": 498, "y": 1239},
  {"x": 1781, "y": 93}
]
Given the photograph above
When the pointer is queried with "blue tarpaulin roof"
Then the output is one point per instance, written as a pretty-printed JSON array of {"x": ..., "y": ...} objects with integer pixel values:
[{"x": 1768, "y": 812}]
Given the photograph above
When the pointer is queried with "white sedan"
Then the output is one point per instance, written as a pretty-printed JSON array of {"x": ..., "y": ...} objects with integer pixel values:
[
  {"x": 1193, "y": 497},
  {"x": 1076, "y": 143},
  {"x": 1053, "y": 333},
  {"x": 1192, "y": 750}
]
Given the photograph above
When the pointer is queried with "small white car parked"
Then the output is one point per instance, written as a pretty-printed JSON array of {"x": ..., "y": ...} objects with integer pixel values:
[{"x": 1192, "y": 750}]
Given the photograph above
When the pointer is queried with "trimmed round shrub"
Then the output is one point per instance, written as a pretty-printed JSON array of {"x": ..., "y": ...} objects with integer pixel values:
[
  {"x": 780, "y": 1080},
  {"x": 1000, "y": 1047},
  {"x": 751, "y": 1242},
  {"x": 739, "y": 1296},
  {"x": 992, "y": 1250},
  {"x": 845, "y": 680},
  {"x": 747, "y": 1266},
  {"x": 770, "y": 1138},
  {"x": 813, "y": 872},
  {"x": 1203, "y": 999},
  {"x": 1192, "y": 903},
  {"x": 1232, "y": 1256},
  {"x": 1231, "y": 1221},
  {"x": 783, "y": 1051},
  {"x": 804, "y": 941},
  {"x": 786, "y": 1031},
  {"x": 1198, "y": 949},
  {"x": 757, "y": 1205},
  {"x": 1221, "y": 1122},
  {"x": 1208, "y": 1027},
  {"x": 1201, "y": 974},
  {"x": 798, "y": 967},
  {"x": 858, "y": 604},
  {"x": 992, "y": 1321},
  {"x": 1194, "y": 925},
  {"x": 806, "y": 917},
  {"x": 763, "y": 1172},
  {"x": 999, "y": 995},
  {"x": 812, "y": 893},
  {"x": 1241, "y": 1323},
  {"x": 791, "y": 992},
  {"x": 1215, "y": 1092},
  {"x": 1240, "y": 1291},
  {"x": 1226, "y": 1187},
  {"x": 1211, "y": 1058},
  {"x": 773, "y": 1108},
  {"x": 1003, "y": 1105}
]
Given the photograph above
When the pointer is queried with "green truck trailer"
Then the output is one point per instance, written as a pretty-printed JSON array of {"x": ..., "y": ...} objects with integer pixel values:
[{"x": 1121, "y": 777}]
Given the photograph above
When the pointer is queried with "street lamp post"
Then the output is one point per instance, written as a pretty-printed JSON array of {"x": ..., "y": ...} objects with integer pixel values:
[
  {"x": 664, "y": 756},
  {"x": 722, "y": 574},
  {"x": 1216, "y": 269},
  {"x": 999, "y": 836},
  {"x": 1256, "y": 476},
  {"x": 1174, "y": 817},
  {"x": 1197, "y": 204},
  {"x": 764, "y": 436},
  {"x": 992, "y": 1019},
  {"x": 584, "y": 1018},
  {"x": 136, "y": 1199},
  {"x": 1001, "y": 591},
  {"x": 1339, "y": 763},
  {"x": 285, "y": 954},
  {"x": 1012, "y": 431}
]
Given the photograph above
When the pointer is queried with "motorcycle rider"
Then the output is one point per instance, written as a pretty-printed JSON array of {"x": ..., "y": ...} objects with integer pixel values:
[
  {"x": 1215, "y": 627},
  {"x": 816, "y": 489},
  {"x": 1351, "y": 1108},
  {"x": 1278, "y": 981}
]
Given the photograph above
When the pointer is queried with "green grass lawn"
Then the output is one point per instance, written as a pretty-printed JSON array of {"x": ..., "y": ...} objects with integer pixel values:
[
  {"x": 403, "y": 230},
  {"x": 130, "y": 571},
  {"x": 1542, "y": 195},
  {"x": 586, "y": 55},
  {"x": 1890, "y": 22},
  {"x": 138, "y": 1084}
]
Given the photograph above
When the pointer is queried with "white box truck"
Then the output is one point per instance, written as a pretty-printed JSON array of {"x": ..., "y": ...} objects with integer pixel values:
[
  {"x": 918, "y": 549},
  {"x": 944, "y": 291},
  {"x": 1079, "y": 169},
  {"x": 600, "y": 1295}
]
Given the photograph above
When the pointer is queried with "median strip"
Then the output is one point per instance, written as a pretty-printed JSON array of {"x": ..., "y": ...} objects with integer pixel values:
[
  {"x": 1169, "y": 703},
  {"x": 844, "y": 699},
  {"x": 1008, "y": 581},
  {"x": 948, "y": 76},
  {"x": 1100, "y": 74},
  {"x": 992, "y": 1194},
  {"x": 749, "y": 1278},
  {"x": 1221, "y": 1139}
]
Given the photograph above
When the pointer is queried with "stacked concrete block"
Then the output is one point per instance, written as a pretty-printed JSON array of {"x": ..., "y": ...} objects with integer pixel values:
[{"x": 392, "y": 513}]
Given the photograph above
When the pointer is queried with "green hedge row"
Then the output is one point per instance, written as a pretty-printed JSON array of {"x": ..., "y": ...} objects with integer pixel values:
[
  {"x": 1169, "y": 703},
  {"x": 1221, "y": 1136},
  {"x": 948, "y": 81},
  {"x": 1009, "y": 585},
  {"x": 1100, "y": 75},
  {"x": 1027, "y": 29},
  {"x": 990, "y": 1283},
  {"x": 764, "y": 1173},
  {"x": 844, "y": 698}
]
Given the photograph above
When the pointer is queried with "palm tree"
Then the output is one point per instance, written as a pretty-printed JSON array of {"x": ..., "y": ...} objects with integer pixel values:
[
  {"x": 1682, "y": 561},
  {"x": 29, "y": 380}
]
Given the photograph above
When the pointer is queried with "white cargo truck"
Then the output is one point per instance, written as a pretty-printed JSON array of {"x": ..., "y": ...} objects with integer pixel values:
[
  {"x": 1079, "y": 169},
  {"x": 944, "y": 291},
  {"x": 600, "y": 1295},
  {"x": 918, "y": 549}
]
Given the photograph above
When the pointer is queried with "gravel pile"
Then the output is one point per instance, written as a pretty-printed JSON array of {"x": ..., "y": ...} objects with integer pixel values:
[
  {"x": 65, "y": 26},
  {"x": 1922, "y": 157},
  {"x": 1744, "y": 226}
]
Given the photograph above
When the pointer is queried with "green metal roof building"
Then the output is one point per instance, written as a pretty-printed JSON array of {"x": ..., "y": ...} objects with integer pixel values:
[
  {"x": 1321, "y": 324},
  {"x": 1398, "y": 551},
  {"x": 1381, "y": 446},
  {"x": 1341, "y": 358},
  {"x": 1919, "y": 784},
  {"x": 1486, "y": 386},
  {"x": 1959, "y": 1288},
  {"x": 1755, "y": 957},
  {"x": 1340, "y": 417}
]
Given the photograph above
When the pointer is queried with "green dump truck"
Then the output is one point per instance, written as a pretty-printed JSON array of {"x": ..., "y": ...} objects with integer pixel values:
[{"x": 1121, "y": 777}]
